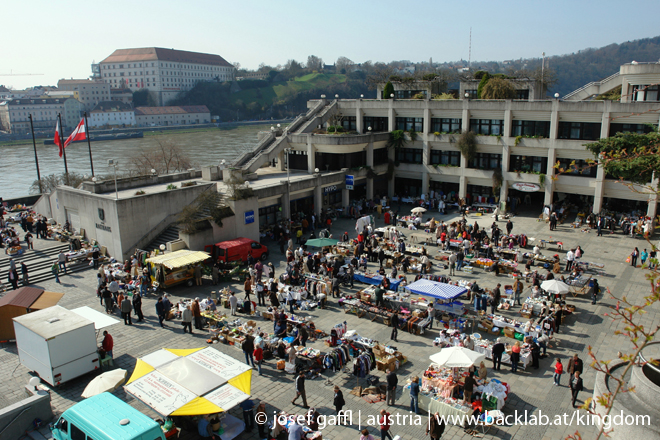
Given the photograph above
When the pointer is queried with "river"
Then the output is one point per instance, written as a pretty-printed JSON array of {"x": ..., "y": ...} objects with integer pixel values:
[{"x": 18, "y": 170}]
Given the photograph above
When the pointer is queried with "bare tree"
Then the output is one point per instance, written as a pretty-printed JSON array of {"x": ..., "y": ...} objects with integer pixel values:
[
  {"x": 52, "y": 181},
  {"x": 314, "y": 62},
  {"x": 165, "y": 157},
  {"x": 343, "y": 63}
]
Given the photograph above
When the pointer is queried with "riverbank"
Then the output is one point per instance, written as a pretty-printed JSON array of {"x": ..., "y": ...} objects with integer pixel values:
[{"x": 159, "y": 130}]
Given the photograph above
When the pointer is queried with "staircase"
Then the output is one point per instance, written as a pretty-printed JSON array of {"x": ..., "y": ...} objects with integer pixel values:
[
  {"x": 39, "y": 262},
  {"x": 594, "y": 88},
  {"x": 42, "y": 433},
  {"x": 169, "y": 234}
]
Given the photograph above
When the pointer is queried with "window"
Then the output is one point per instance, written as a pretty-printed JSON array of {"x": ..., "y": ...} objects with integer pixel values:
[
  {"x": 645, "y": 93},
  {"x": 526, "y": 164},
  {"x": 410, "y": 124},
  {"x": 589, "y": 131},
  {"x": 487, "y": 127},
  {"x": 530, "y": 128},
  {"x": 631, "y": 128},
  {"x": 581, "y": 168},
  {"x": 446, "y": 125},
  {"x": 486, "y": 161},
  {"x": 380, "y": 156},
  {"x": 376, "y": 123},
  {"x": 408, "y": 187},
  {"x": 409, "y": 155},
  {"x": 440, "y": 157},
  {"x": 522, "y": 94},
  {"x": 472, "y": 94},
  {"x": 407, "y": 94},
  {"x": 76, "y": 433},
  {"x": 349, "y": 123}
]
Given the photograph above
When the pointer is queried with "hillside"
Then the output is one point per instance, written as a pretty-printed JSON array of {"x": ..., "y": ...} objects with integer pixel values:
[{"x": 274, "y": 92}]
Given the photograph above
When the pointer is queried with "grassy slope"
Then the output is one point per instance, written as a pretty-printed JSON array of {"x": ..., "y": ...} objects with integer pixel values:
[{"x": 279, "y": 90}]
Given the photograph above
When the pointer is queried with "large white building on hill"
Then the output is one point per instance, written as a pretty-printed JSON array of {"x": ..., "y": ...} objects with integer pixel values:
[{"x": 164, "y": 72}]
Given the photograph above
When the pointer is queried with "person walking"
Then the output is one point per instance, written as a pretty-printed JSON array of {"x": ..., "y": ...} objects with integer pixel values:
[
  {"x": 575, "y": 364},
  {"x": 338, "y": 400},
  {"x": 414, "y": 395},
  {"x": 468, "y": 388},
  {"x": 29, "y": 240},
  {"x": 384, "y": 420},
  {"x": 61, "y": 261},
  {"x": 452, "y": 263},
  {"x": 55, "y": 270},
  {"x": 106, "y": 296},
  {"x": 197, "y": 314},
  {"x": 160, "y": 311},
  {"x": 559, "y": 370},
  {"x": 137, "y": 307},
  {"x": 186, "y": 319},
  {"x": 436, "y": 427},
  {"x": 108, "y": 343},
  {"x": 509, "y": 227},
  {"x": 595, "y": 289},
  {"x": 498, "y": 349},
  {"x": 515, "y": 356},
  {"x": 576, "y": 387},
  {"x": 536, "y": 352},
  {"x": 392, "y": 382},
  {"x": 262, "y": 419},
  {"x": 248, "y": 349},
  {"x": 633, "y": 257},
  {"x": 300, "y": 390},
  {"x": 570, "y": 258},
  {"x": 144, "y": 282},
  {"x": 126, "y": 308},
  {"x": 258, "y": 355},
  {"x": 495, "y": 300},
  {"x": 24, "y": 273},
  {"x": 394, "y": 322}
]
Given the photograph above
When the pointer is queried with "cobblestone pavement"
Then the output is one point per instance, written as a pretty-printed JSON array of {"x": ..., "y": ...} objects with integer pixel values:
[{"x": 532, "y": 390}]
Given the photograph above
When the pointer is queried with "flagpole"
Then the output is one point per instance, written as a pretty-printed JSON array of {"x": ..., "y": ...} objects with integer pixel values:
[
  {"x": 89, "y": 145},
  {"x": 66, "y": 168},
  {"x": 36, "y": 159}
]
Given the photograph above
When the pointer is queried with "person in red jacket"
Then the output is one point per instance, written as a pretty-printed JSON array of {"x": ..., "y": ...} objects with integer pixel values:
[
  {"x": 258, "y": 357},
  {"x": 559, "y": 370},
  {"x": 384, "y": 423},
  {"x": 107, "y": 343}
]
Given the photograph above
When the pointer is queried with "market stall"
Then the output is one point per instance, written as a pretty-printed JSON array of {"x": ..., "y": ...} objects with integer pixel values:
[
  {"x": 375, "y": 279},
  {"x": 176, "y": 267},
  {"x": 192, "y": 382}
]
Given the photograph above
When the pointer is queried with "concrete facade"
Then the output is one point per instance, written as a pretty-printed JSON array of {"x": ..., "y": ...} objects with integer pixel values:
[
  {"x": 14, "y": 114},
  {"x": 172, "y": 115},
  {"x": 90, "y": 92},
  {"x": 111, "y": 114}
]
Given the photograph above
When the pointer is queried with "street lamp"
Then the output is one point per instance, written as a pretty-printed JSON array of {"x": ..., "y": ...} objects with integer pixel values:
[
  {"x": 112, "y": 163},
  {"x": 467, "y": 95},
  {"x": 556, "y": 95},
  {"x": 369, "y": 128},
  {"x": 322, "y": 96},
  {"x": 392, "y": 95},
  {"x": 316, "y": 170}
]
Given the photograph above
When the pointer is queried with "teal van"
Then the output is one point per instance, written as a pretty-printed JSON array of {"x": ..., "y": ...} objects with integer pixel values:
[{"x": 105, "y": 417}]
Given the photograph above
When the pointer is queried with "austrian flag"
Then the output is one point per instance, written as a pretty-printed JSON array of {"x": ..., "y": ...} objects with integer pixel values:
[{"x": 79, "y": 134}]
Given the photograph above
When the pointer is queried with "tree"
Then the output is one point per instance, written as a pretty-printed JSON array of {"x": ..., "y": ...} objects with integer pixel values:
[
  {"x": 467, "y": 145},
  {"x": 165, "y": 157},
  {"x": 52, "y": 181},
  {"x": 343, "y": 63},
  {"x": 388, "y": 90},
  {"x": 484, "y": 80},
  {"x": 498, "y": 88},
  {"x": 314, "y": 62},
  {"x": 209, "y": 205}
]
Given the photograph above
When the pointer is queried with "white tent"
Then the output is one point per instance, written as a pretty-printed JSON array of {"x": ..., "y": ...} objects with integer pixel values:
[
  {"x": 435, "y": 289},
  {"x": 460, "y": 357},
  {"x": 555, "y": 286}
]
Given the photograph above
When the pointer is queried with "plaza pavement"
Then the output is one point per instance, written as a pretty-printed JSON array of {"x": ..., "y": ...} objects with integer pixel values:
[{"x": 531, "y": 390}]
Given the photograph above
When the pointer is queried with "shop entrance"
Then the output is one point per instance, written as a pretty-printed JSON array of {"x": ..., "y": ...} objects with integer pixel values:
[{"x": 450, "y": 189}]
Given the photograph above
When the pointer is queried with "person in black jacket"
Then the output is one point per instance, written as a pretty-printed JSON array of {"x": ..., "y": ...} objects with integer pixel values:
[
  {"x": 394, "y": 322},
  {"x": 300, "y": 390},
  {"x": 248, "y": 349},
  {"x": 536, "y": 352},
  {"x": 498, "y": 349},
  {"x": 338, "y": 400},
  {"x": 576, "y": 386},
  {"x": 495, "y": 300},
  {"x": 392, "y": 382}
]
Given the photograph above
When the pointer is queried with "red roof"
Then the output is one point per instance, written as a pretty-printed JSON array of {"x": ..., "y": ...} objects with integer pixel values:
[
  {"x": 161, "y": 54},
  {"x": 23, "y": 297},
  {"x": 234, "y": 242}
]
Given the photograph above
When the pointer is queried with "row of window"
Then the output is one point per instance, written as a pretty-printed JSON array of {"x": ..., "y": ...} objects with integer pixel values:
[{"x": 174, "y": 66}]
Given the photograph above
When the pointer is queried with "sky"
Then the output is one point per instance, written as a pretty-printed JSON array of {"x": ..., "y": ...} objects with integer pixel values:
[{"x": 62, "y": 39}]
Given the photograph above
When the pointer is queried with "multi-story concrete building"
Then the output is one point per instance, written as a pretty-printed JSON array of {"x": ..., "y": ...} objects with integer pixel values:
[
  {"x": 109, "y": 114},
  {"x": 172, "y": 115},
  {"x": 14, "y": 114},
  {"x": 90, "y": 92},
  {"x": 123, "y": 95},
  {"x": 164, "y": 72},
  {"x": 521, "y": 139}
]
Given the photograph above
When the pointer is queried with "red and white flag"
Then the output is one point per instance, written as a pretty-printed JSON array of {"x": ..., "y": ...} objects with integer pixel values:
[
  {"x": 79, "y": 134},
  {"x": 58, "y": 139}
]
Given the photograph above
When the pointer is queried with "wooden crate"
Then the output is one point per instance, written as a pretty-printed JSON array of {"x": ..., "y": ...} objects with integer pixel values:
[{"x": 509, "y": 332}]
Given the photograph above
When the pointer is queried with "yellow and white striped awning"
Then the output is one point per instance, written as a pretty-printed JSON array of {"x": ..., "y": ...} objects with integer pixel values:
[{"x": 178, "y": 259}]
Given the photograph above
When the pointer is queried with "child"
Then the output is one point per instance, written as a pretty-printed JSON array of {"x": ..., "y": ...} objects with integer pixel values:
[{"x": 559, "y": 370}]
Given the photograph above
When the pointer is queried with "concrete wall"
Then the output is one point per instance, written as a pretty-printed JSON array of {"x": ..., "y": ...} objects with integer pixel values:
[
  {"x": 36, "y": 405},
  {"x": 128, "y": 222},
  {"x": 240, "y": 207},
  {"x": 108, "y": 186}
]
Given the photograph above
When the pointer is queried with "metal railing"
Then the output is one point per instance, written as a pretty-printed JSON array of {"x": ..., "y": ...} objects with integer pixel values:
[{"x": 591, "y": 84}]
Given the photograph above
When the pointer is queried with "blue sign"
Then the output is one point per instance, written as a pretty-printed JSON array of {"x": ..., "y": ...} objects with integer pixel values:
[
  {"x": 249, "y": 217},
  {"x": 349, "y": 181}
]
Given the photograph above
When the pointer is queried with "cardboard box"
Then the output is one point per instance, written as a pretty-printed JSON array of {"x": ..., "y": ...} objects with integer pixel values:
[{"x": 509, "y": 332}]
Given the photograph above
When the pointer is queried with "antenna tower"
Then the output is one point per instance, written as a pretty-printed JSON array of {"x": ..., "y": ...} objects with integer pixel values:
[{"x": 470, "y": 50}]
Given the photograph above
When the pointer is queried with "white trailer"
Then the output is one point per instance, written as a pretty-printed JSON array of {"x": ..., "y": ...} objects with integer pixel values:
[{"x": 57, "y": 344}]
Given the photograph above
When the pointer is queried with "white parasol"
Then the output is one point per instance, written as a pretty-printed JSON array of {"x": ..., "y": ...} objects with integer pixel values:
[
  {"x": 555, "y": 286},
  {"x": 108, "y": 381},
  {"x": 418, "y": 210},
  {"x": 457, "y": 357}
]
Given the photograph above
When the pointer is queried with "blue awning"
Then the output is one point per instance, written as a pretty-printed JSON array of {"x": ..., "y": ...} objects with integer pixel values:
[{"x": 435, "y": 289}]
